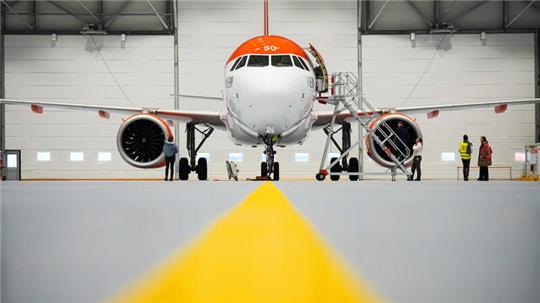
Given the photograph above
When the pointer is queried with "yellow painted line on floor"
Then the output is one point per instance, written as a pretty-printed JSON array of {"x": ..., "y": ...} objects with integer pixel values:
[{"x": 261, "y": 251}]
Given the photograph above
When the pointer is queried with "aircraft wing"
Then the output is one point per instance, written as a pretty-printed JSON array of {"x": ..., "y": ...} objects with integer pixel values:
[
  {"x": 103, "y": 111},
  {"x": 432, "y": 111}
]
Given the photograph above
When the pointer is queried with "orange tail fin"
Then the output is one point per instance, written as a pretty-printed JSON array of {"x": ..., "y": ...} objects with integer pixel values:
[{"x": 266, "y": 17}]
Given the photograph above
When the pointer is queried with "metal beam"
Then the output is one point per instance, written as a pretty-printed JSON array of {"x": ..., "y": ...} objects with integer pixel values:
[
  {"x": 469, "y": 10},
  {"x": 2, "y": 91},
  {"x": 176, "y": 70},
  {"x": 117, "y": 13},
  {"x": 520, "y": 14},
  {"x": 436, "y": 13},
  {"x": 157, "y": 15},
  {"x": 90, "y": 12},
  {"x": 60, "y": 7},
  {"x": 426, "y": 19},
  {"x": 378, "y": 14},
  {"x": 17, "y": 14},
  {"x": 537, "y": 83}
]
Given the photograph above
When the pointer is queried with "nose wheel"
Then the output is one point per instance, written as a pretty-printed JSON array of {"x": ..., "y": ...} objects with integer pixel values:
[{"x": 270, "y": 168}]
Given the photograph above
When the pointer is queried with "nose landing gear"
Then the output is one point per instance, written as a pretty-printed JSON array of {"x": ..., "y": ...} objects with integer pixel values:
[{"x": 270, "y": 168}]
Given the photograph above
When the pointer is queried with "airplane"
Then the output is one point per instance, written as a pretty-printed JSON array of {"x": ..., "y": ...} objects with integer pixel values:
[{"x": 271, "y": 86}]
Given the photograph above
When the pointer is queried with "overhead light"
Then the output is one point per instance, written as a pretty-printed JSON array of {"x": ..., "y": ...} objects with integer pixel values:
[
  {"x": 413, "y": 36},
  {"x": 53, "y": 37},
  {"x": 483, "y": 36},
  {"x": 92, "y": 29},
  {"x": 123, "y": 37},
  {"x": 446, "y": 28}
]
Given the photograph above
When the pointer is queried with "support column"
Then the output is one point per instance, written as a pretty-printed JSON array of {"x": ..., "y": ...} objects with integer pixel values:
[
  {"x": 359, "y": 25},
  {"x": 2, "y": 88},
  {"x": 537, "y": 83},
  {"x": 176, "y": 73}
]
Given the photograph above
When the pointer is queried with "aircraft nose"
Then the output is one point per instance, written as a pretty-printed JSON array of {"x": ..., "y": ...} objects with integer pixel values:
[{"x": 270, "y": 102}]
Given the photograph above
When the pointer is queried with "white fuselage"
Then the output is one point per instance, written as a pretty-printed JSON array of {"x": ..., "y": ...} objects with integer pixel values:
[{"x": 275, "y": 100}]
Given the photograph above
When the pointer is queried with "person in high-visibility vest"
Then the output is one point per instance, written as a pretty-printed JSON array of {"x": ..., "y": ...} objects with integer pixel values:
[{"x": 465, "y": 150}]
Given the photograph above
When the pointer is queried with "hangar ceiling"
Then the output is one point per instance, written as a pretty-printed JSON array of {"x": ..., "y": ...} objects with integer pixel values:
[
  {"x": 379, "y": 16},
  {"x": 451, "y": 16},
  {"x": 91, "y": 16}
]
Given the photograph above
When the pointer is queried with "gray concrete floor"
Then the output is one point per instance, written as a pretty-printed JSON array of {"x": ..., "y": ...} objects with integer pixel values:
[{"x": 434, "y": 241}]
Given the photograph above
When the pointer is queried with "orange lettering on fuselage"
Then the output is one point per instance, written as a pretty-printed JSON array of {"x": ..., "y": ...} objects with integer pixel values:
[{"x": 270, "y": 45}]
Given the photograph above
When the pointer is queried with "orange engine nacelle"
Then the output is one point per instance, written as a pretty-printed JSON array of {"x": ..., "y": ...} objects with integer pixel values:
[
  {"x": 140, "y": 140},
  {"x": 380, "y": 156}
]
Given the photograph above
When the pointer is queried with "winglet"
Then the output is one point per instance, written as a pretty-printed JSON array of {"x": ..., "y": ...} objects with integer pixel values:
[
  {"x": 501, "y": 108},
  {"x": 433, "y": 114},
  {"x": 37, "y": 108},
  {"x": 104, "y": 114}
]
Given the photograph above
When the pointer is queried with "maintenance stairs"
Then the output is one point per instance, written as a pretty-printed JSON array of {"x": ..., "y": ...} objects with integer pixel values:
[{"x": 346, "y": 97}]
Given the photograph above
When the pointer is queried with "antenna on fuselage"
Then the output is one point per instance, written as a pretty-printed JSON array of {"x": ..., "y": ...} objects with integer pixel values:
[{"x": 266, "y": 17}]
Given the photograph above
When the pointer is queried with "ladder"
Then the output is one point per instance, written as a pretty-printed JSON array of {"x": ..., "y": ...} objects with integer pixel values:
[{"x": 345, "y": 96}]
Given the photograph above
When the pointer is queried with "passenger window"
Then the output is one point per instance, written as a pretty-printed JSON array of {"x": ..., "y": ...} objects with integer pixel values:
[
  {"x": 297, "y": 62},
  {"x": 258, "y": 61},
  {"x": 242, "y": 63},
  {"x": 304, "y": 64},
  {"x": 235, "y": 63},
  {"x": 281, "y": 60}
]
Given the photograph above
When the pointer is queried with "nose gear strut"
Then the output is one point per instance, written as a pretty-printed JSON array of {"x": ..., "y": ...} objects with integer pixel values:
[{"x": 270, "y": 169}]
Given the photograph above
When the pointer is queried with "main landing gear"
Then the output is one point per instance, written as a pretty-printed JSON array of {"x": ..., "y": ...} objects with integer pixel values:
[
  {"x": 270, "y": 169},
  {"x": 199, "y": 166},
  {"x": 350, "y": 166}
]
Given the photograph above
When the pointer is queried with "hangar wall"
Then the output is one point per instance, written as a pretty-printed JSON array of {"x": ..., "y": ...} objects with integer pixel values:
[
  {"x": 457, "y": 69},
  {"x": 71, "y": 70},
  {"x": 461, "y": 68}
]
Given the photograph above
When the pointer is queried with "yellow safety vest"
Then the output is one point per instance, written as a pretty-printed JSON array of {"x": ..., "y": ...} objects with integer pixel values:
[{"x": 463, "y": 150}]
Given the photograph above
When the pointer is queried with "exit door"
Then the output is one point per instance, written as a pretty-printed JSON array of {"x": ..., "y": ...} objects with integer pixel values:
[{"x": 12, "y": 160}]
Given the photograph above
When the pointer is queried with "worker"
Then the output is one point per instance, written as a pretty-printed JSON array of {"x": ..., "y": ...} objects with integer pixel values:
[
  {"x": 170, "y": 150},
  {"x": 401, "y": 141},
  {"x": 484, "y": 159},
  {"x": 417, "y": 158},
  {"x": 465, "y": 150}
]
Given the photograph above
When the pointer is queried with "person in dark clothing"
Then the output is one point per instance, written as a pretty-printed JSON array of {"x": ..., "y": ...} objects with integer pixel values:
[
  {"x": 417, "y": 159},
  {"x": 402, "y": 140},
  {"x": 170, "y": 150},
  {"x": 465, "y": 150},
  {"x": 484, "y": 159}
]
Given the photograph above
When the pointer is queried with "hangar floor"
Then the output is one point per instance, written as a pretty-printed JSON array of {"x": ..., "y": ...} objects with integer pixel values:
[{"x": 434, "y": 241}]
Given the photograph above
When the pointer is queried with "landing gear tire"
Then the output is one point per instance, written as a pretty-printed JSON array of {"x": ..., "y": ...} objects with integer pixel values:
[
  {"x": 202, "y": 169},
  {"x": 320, "y": 177},
  {"x": 183, "y": 169},
  {"x": 353, "y": 168},
  {"x": 264, "y": 169},
  {"x": 276, "y": 171},
  {"x": 335, "y": 169}
]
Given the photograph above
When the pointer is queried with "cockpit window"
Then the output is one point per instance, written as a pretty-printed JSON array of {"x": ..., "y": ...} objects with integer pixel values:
[
  {"x": 242, "y": 63},
  {"x": 281, "y": 60},
  {"x": 297, "y": 62},
  {"x": 304, "y": 64},
  {"x": 258, "y": 61},
  {"x": 236, "y": 63}
]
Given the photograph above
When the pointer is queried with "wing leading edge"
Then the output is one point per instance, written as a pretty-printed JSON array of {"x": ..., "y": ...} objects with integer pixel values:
[
  {"x": 432, "y": 111},
  {"x": 210, "y": 118}
]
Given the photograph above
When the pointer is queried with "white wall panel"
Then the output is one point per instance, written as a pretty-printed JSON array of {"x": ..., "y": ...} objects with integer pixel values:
[{"x": 71, "y": 70}]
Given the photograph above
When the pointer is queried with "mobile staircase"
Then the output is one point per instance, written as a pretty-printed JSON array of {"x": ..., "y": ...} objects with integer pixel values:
[{"x": 346, "y": 97}]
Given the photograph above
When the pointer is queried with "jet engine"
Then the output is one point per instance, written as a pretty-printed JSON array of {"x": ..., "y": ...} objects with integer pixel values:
[
  {"x": 376, "y": 153},
  {"x": 140, "y": 140}
]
